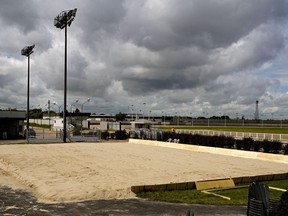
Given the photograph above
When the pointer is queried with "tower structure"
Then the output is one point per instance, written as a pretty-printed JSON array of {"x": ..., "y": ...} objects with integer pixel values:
[{"x": 257, "y": 111}]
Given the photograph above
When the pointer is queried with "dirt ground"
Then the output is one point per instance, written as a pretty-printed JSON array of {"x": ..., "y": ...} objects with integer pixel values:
[{"x": 74, "y": 172}]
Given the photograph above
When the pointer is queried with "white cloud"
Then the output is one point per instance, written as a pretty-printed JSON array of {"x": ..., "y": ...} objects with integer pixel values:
[{"x": 174, "y": 55}]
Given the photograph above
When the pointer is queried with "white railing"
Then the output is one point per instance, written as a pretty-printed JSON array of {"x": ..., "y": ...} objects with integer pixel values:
[{"x": 239, "y": 135}]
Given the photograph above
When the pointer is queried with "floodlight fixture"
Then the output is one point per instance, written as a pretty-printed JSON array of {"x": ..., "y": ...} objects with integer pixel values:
[
  {"x": 65, "y": 18},
  {"x": 27, "y": 51},
  {"x": 61, "y": 21}
]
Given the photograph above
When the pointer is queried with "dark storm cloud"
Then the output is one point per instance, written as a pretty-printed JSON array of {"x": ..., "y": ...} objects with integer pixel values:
[
  {"x": 122, "y": 50},
  {"x": 21, "y": 14},
  {"x": 208, "y": 24},
  {"x": 99, "y": 20},
  {"x": 187, "y": 34}
]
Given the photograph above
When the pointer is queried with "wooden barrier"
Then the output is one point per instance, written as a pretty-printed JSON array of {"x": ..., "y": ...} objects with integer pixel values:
[{"x": 208, "y": 184}]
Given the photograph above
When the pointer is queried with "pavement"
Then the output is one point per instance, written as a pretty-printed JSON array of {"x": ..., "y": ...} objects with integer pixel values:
[{"x": 20, "y": 202}]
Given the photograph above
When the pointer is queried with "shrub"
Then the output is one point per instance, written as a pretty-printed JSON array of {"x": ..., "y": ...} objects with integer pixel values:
[
  {"x": 120, "y": 135},
  {"x": 195, "y": 139},
  {"x": 257, "y": 145},
  {"x": 219, "y": 141},
  {"x": 112, "y": 135},
  {"x": 208, "y": 141},
  {"x": 76, "y": 130},
  {"x": 285, "y": 149},
  {"x": 266, "y": 145},
  {"x": 105, "y": 135},
  {"x": 276, "y": 147},
  {"x": 247, "y": 143},
  {"x": 229, "y": 142},
  {"x": 239, "y": 144}
]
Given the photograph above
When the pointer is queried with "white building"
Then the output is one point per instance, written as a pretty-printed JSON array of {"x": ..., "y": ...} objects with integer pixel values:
[{"x": 58, "y": 124}]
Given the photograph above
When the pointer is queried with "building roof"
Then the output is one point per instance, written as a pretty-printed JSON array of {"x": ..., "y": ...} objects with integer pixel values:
[
  {"x": 142, "y": 121},
  {"x": 12, "y": 114}
]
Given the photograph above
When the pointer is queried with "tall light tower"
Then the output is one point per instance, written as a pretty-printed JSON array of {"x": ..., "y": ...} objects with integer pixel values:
[
  {"x": 27, "y": 51},
  {"x": 257, "y": 111},
  {"x": 61, "y": 21}
]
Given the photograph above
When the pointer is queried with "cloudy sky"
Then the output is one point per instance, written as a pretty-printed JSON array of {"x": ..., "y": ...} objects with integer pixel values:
[{"x": 183, "y": 57}]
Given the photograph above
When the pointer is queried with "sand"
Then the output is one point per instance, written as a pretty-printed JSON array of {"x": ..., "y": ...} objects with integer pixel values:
[{"x": 107, "y": 170}]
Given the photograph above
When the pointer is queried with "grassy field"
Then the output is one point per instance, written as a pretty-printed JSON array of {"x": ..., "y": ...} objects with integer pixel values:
[
  {"x": 232, "y": 129},
  {"x": 239, "y": 196}
]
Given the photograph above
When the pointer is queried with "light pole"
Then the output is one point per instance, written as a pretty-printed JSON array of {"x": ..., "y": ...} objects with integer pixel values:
[
  {"x": 61, "y": 21},
  {"x": 72, "y": 105},
  {"x": 27, "y": 51},
  {"x": 164, "y": 117},
  {"x": 88, "y": 100},
  {"x": 131, "y": 107},
  {"x": 144, "y": 109},
  {"x": 71, "y": 110},
  {"x": 191, "y": 119},
  {"x": 55, "y": 104},
  {"x": 82, "y": 113},
  {"x": 132, "y": 111}
]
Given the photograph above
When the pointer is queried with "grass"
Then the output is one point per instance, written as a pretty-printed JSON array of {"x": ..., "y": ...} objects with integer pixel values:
[
  {"x": 231, "y": 129},
  {"x": 38, "y": 125},
  {"x": 239, "y": 196}
]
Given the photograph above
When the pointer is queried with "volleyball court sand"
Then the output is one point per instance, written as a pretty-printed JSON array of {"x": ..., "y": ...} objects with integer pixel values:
[{"x": 86, "y": 171}]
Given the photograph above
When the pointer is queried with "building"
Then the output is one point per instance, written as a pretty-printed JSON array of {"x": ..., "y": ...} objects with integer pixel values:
[
  {"x": 12, "y": 124},
  {"x": 57, "y": 124}
]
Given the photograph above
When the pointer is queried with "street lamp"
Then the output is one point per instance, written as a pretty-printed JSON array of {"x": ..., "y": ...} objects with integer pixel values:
[
  {"x": 144, "y": 104},
  {"x": 164, "y": 114},
  {"x": 191, "y": 119},
  {"x": 72, "y": 105},
  {"x": 61, "y": 21},
  {"x": 132, "y": 111},
  {"x": 82, "y": 113},
  {"x": 27, "y": 51},
  {"x": 88, "y": 100},
  {"x": 56, "y": 104}
]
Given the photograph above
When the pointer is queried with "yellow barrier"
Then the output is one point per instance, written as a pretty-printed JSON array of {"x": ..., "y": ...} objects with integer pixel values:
[{"x": 218, "y": 183}]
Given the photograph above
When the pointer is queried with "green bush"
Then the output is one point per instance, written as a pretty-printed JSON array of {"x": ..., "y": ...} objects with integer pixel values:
[
  {"x": 247, "y": 143},
  {"x": 218, "y": 141},
  {"x": 285, "y": 149},
  {"x": 276, "y": 147},
  {"x": 266, "y": 145},
  {"x": 239, "y": 144},
  {"x": 121, "y": 135},
  {"x": 229, "y": 142},
  {"x": 257, "y": 145},
  {"x": 112, "y": 135},
  {"x": 105, "y": 135},
  {"x": 76, "y": 130}
]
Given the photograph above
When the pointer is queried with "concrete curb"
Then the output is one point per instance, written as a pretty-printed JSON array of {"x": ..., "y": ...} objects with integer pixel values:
[{"x": 214, "y": 150}]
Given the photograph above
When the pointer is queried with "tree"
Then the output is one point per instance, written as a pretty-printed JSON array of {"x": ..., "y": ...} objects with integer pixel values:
[
  {"x": 120, "y": 116},
  {"x": 35, "y": 113}
]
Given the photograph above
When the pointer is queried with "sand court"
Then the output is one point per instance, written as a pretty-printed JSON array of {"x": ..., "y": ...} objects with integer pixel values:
[{"x": 107, "y": 170}]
